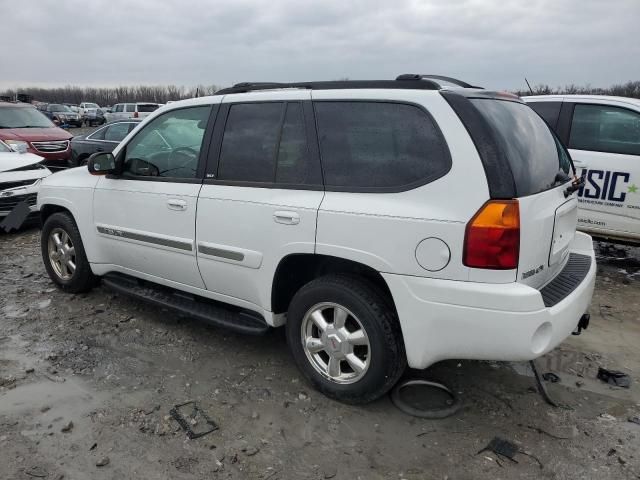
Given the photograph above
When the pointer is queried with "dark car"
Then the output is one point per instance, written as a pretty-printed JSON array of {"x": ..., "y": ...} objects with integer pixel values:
[
  {"x": 22, "y": 125},
  {"x": 62, "y": 114},
  {"x": 104, "y": 139}
]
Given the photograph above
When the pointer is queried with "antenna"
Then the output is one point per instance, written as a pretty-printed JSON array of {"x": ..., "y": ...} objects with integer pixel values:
[{"x": 530, "y": 89}]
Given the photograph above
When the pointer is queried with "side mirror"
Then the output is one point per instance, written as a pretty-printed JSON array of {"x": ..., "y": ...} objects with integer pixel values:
[{"x": 101, "y": 163}]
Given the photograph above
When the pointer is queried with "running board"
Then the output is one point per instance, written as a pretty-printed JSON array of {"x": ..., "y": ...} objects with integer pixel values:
[{"x": 209, "y": 311}]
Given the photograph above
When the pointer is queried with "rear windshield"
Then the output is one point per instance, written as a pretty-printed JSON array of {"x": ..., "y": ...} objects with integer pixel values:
[
  {"x": 147, "y": 107},
  {"x": 534, "y": 154}
]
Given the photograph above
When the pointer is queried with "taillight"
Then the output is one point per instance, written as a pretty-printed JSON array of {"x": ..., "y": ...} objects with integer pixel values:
[
  {"x": 492, "y": 237},
  {"x": 135, "y": 114}
]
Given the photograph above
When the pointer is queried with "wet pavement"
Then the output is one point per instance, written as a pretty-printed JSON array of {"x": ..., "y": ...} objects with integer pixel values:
[{"x": 87, "y": 383}]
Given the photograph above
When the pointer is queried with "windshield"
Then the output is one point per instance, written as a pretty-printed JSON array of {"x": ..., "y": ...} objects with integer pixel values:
[
  {"x": 531, "y": 149},
  {"x": 23, "y": 117},
  {"x": 54, "y": 107},
  {"x": 91, "y": 105}
]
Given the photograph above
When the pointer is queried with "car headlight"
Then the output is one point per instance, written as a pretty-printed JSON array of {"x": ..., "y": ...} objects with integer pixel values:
[{"x": 17, "y": 145}]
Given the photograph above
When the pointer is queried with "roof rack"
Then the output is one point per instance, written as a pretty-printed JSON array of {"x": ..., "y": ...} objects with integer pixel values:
[
  {"x": 406, "y": 81},
  {"x": 417, "y": 76},
  {"x": 332, "y": 85}
]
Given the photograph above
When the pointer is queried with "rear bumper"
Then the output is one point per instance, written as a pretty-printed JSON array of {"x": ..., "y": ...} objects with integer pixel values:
[{"x": 443, "y": 319}]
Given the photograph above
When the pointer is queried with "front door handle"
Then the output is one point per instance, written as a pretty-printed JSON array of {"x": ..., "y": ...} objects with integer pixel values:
[
  {"x": 176, "y": 204},
  {"x": 286, "y": 218}
]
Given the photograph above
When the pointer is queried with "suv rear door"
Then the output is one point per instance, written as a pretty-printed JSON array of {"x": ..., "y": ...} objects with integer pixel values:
[{"x": 261, "y": 194}]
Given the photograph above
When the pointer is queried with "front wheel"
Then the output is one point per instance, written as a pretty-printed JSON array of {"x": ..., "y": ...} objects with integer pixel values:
[
  {"x": 345, "y": 338},
  {"x": 64, "y": 256}
]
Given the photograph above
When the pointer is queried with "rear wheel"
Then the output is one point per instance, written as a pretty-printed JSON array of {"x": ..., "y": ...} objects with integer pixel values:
[
  {"x": 345, "y": 338},
  {"x": 64, "y": 256}
]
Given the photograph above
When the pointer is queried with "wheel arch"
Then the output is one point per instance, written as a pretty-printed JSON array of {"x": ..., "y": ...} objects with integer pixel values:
[{"x": 298, "y": 269}]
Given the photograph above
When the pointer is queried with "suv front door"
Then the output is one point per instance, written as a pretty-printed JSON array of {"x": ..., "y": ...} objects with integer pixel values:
[
  {"x": 261, "y": 195},
  {"x": 145, "y": 215},
  {"x": 604, "y": 142}
]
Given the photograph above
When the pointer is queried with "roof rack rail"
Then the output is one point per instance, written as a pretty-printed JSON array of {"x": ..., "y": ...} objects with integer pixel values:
[
  {"x": 416, "y": 83},
  {"x": 416, "y": 76}
]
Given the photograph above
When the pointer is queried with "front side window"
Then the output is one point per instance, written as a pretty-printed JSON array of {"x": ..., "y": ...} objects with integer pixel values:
[
  {"x": 168, "y": 146},
  {"x": 603, "y": 128},
  {"x": 378, "y": 145},
  {"x": 118, "y": 108},
  {"x": 130, "y": 107}
]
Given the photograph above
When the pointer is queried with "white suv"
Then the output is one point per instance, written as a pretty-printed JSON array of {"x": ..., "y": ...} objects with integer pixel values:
[
  {"x": 603, "y": 136},
  {"x": 385, "y": 223},
  {"x": 125, "y": 111}
]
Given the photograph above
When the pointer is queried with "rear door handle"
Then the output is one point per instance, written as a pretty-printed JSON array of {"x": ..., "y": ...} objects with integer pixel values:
[
  {"x": 286, "y": 218},
  {"x": 176, "y": 204}
]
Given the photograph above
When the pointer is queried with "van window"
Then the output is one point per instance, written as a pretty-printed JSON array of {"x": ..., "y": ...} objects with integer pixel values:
[
  {"x": 603, "y": 128},
  {"x": 379, "y": 146},
  {"x": 147, "y": 107},
  {"x": 118, "y": 108},
  {"x": 549, "y": 111},
  {"x": 534, "y": 155},
  {"x": 129, "y": 107}
]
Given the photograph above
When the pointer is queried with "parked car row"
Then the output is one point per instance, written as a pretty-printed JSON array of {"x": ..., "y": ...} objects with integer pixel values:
[{"x": 20, "y": 176}]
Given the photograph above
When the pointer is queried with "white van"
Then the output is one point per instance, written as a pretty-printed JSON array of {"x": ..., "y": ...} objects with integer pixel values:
[
  {"x": 603, "y": 136},
  {"x": 125, "y": 111}
]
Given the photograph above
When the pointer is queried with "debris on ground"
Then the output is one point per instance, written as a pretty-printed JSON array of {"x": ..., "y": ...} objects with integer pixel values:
[
  {"x": 614, "y": 377},
  {"x": 192, "y": 419},
  {"x": 507, "y": 449},
  {"x": 551, "y": 377},
  {"x": 67, "y": 427},
  {"x": 635, "y": 419},
  {"x": 104, "y": 461}
]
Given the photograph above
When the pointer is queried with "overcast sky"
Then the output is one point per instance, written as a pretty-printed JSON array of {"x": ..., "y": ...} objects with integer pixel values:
[{"x": 493, "y": 43}]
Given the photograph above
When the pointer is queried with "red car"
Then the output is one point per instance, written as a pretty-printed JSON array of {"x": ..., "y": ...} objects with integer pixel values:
[{"x": 22, "y": 125}]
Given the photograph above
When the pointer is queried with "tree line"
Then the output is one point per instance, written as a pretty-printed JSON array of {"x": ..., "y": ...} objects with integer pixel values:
[
  {"x": 165, "y": 93},
  {"x": 629, "y": 89},
  {"x": 111, "y": 95}
]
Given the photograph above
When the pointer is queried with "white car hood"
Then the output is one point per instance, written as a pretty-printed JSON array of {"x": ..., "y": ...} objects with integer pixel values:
[{"x": 13, "y": 160}]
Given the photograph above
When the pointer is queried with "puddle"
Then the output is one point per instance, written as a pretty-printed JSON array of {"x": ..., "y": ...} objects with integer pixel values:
[
  {"x": 62, "y": 398},
  {"x": 624, "y": 259}
]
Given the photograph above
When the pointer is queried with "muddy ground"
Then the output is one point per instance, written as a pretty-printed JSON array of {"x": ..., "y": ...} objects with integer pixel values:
[{"x": 90, "y": 379}]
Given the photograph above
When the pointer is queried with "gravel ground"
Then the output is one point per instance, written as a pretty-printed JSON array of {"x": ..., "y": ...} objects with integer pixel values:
[{"x": 87, "y": 382}]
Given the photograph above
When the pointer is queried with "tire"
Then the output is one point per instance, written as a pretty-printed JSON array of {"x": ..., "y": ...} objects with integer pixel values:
[
  {"x": 78, "y": 280},
  {"x": 383, "y": 358}
]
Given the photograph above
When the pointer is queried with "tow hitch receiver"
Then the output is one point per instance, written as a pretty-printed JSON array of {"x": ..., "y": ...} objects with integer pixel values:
[{"x": 582, "y": 324}]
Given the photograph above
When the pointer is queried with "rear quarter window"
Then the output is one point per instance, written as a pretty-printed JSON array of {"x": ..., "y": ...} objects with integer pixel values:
[
  {"x": 534, "y": 155},
  {"x": 379, "y": 146},
  {"x": 549, "y": 111}
]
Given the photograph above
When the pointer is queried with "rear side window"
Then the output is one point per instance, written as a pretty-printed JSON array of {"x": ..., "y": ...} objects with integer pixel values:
[
  {"x": 267, "y": 143},
  {"x": 603, "y": 128},
  {"x": 530, "y": 147},
  {"x": 146, "y": 108},
  {"x": 549, "y": 111},
  {"x": 116, "y": 132},
  {"x": 369, "y": 146}
]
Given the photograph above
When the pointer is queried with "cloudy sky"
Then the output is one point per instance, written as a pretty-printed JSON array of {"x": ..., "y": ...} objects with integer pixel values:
[{"x": 493, "y": 43}]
